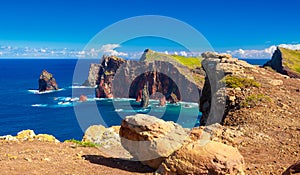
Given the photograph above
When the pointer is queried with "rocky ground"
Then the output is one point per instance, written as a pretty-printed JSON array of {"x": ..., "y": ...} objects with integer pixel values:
[
  {"x": 263, "y": 109},
  {"x": 271, "y": 128},
  {"x": 36, "y": 157}
]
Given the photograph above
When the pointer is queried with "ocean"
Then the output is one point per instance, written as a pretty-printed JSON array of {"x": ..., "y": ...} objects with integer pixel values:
[{"x": 58, "y": 113}]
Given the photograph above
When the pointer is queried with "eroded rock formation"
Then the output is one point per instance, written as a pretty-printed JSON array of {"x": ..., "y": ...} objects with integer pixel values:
[
  {"x": 47, "y": 82},
  {"x": 145, "y": 97},
  {"x": 286, "y": 62},
  {"x": 126, "y": 79},
  {"x": 217, "y": 98}
]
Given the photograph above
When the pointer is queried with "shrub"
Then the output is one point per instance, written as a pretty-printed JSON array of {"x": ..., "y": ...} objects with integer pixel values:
[
  {"x": 239, "y": 82},
  {"x": 255, "y": 99},
  {"x": 83, "y": 144}
]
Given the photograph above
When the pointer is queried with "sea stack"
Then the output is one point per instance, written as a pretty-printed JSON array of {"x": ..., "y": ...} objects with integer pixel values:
[
  {"x": 47, "y": 82},
  {"x": 145, "y": 96}
]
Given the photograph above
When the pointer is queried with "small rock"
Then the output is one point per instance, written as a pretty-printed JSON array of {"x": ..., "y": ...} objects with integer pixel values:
[
  {"x": 83, "y": 98},
  {"x": 9, "y": 138},
  {"x": 276, "y": 82},
  {"x": 25, "y": 135},
  {"x": 28, "y": 159},
  {"x": 46, "y": 138},
  {"x": 47, "y": 159}
]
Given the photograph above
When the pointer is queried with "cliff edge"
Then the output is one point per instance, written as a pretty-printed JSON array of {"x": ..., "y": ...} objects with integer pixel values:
[
  {"x": 285, "y": 61},
  {"x": 258, "y": 102},
  {"x": 171, "y": 77}
]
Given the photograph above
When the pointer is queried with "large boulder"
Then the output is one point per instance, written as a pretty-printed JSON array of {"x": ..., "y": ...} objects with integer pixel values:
[
  {"x": 47, "y": 82},
  {"x": 106, "y": 137},
  {"x": 210, "y": 158},
  {"x": 151, "y": 140},
  {"x": 293, "y": 169}
]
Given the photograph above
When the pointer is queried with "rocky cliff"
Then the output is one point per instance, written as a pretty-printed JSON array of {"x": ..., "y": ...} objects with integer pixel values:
[
  {"x": 47, "y": 82},
  {"x": 285, "y": 61},
  {"x": 258, "y": 102},
  {"x": 101, "y": 75},
  {"x": 116, "y": 77}
]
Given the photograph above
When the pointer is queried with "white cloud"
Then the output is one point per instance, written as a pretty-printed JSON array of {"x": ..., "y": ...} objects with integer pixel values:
[
  {"x": 290, "y": 46},
  {"x": 109, "y": 49},
  {"x": 166, "y": 52},
  {"x": 264, "y": 53},
  {"x": 183, "y": 53}
]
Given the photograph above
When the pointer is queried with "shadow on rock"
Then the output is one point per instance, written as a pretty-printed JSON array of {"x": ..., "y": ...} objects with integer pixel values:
[{"x": 127, "y": 165}]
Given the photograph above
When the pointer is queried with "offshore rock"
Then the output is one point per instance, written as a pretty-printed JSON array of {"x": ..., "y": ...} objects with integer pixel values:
[
  {"x": 145, "y": 97},
  {"x": 47, "y": 82}
]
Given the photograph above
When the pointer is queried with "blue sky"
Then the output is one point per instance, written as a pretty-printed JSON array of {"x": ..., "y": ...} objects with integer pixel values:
[{"x": 227, "y": 25}]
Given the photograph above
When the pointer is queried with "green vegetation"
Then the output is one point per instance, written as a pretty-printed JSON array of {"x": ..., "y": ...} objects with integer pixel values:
[
  {"x": 199, "y": 79},
  {"x": 239, "y": 82},
  {"x": 81, "y": 143},
  {"x": 291, "y": 59},
  {"x": 189, "y": 62},
  {"x": 255, "y": 99}
]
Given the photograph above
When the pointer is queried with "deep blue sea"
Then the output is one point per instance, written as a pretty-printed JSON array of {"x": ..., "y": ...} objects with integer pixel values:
[{"x": 59, "y": 113}]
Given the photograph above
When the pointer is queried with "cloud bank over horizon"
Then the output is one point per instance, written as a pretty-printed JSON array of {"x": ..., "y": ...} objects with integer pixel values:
[
  {"x": 264, "y": 53},
  {"x": 111, "y": 49}
]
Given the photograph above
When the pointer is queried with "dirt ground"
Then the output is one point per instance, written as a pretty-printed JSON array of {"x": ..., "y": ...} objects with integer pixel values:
[
  {"x": 271, "y": 130},
  {"x": 36, "y": 157}
]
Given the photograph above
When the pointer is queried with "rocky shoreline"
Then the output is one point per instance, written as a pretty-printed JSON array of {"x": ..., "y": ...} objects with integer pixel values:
[{"x": 259, "y": 131}]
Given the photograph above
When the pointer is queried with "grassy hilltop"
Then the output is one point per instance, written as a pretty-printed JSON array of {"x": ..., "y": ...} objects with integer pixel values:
[{"x": 291, "y": 59}]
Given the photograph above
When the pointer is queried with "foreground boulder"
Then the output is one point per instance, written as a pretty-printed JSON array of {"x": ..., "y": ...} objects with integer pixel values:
[
  {"x": 47, "y": 82},
  {"x": 210, "y": 158},
  {"x": 106, "y": 137},
  {"x": 151, "y": 140},
  {"x": 293, "y": 169}
]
